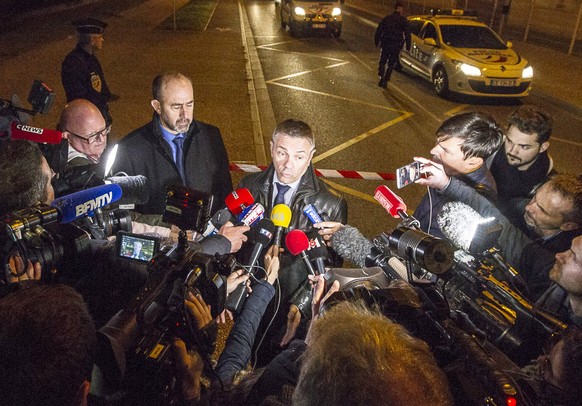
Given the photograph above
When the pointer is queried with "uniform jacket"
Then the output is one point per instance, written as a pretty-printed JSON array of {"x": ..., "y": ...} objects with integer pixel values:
[
  {"x": 83, "y": 78},
  {"x": 392, "y": 32},
  {"x": 145, "y": 152}
]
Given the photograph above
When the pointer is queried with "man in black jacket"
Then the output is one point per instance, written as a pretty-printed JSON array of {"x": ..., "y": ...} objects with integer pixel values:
[
  {"x": 175, "y": 149},
  {"x": 292, "y": 147},
  {"x": 81, "y": 72},
  {"x": 390, "y": 35}
]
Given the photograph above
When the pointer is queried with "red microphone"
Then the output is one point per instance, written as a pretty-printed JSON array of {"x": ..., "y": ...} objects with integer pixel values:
[
  {"x": 394, "y": 205},
  {"x": 238, "y": 200},
  {"x": 297, "y": 243},
  {"x": 25, "y": 132},
  {"x": 390, "y": 201}
]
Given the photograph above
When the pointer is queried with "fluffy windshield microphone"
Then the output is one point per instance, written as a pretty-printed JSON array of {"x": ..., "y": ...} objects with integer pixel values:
[
  {"x": 281, "y": 217},
  {"x": 238, "y": 200},
  {"x": 349, "y": 243},
  {"x": 297, "y": 243},
  {"x": 135, "y": 189},
  {"x": 466, "y": 228}
]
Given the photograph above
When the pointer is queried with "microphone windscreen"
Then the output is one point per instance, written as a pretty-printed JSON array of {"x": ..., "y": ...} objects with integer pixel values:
[
  {"x": 458, "y": 223},
  {"x": 263, "y": 232},
  {"x": 317, "y": 247},
  {"x": 389, "y": 200},
  {"x": 312, "y": 214},
  {"x": 135, "y": 189},
  {"x": 349, "y": 243},
  {"x": 252, "y": 214},
  {"x": 281, "y": 215},
  {"x": 238, "y": 200},
  {"x": 25, "y": 132},
  {"x": 79, "y": 204},
  {"x": 296, "y": 241}
]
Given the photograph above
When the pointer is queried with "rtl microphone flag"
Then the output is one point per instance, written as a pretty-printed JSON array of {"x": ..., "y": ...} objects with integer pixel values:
[
  {"x": 238, "y": 200},
  {"x": 84, "y": 202},
  {"x": 281, "y": 218},
  {"x": 297, "y": 243}
]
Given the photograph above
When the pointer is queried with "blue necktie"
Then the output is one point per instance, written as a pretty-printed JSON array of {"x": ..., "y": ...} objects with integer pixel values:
[
  {"x": 281, "y": 190},
  {"x": 179, "y": 142}
]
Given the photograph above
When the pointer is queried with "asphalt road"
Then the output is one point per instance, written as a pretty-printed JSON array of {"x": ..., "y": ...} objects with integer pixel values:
[{"x": 332, "y": 85}]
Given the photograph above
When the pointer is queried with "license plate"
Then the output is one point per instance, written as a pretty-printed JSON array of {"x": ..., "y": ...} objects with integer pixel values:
[
  {"x": 319, "y": 25},
  {"x": 503, "y": 82}
]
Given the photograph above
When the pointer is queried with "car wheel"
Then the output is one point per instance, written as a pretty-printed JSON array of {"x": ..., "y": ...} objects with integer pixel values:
[
  {"x": 440, "y": 81},
  {"x": 337, "y": 32}
]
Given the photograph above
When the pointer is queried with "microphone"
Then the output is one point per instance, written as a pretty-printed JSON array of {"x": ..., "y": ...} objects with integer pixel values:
[
  {"x": 317, "y": 251},
  {"x": 281, "y": 217},
  {"x": 262, "y": 235},
  {"x": 297, "y": 243},
  {"x": 466, "y": 228},
  {"x": 252, "y": 214},
  {"x": 217, "y": 221},
  {"x": 84, "y": 202},
  {"x": 134, "y": 189},
  {"x": 238, "y": 200},
  {"x": 18, "y": 131},
  {"x": 351, "y": 244},
  {"x": 394, "y": 205},
  {"x": 312, "y": 214}
]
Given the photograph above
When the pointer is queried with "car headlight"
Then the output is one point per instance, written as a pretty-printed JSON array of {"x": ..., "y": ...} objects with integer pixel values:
[
  {"x": 300, "y": 11},
  {"x": 527, "y": 73},
  {"x": 336, "y": 11},
  {"x": 470, "y": 70}
]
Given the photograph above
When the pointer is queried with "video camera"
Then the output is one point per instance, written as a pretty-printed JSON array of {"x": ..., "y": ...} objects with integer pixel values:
[
  {"x": 136, "y": 341},
  {"x": 41, "y": 97}
]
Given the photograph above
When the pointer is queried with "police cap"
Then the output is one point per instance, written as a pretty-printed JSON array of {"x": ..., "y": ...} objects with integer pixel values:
[{"x": 89, "y": 26}]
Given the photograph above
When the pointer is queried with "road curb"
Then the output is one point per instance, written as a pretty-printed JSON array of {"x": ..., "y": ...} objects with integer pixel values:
[{"x": 262, "y": 115}]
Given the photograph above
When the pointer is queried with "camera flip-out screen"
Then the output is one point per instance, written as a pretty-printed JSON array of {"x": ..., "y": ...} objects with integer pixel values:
[{"x": 138, "y": 247}]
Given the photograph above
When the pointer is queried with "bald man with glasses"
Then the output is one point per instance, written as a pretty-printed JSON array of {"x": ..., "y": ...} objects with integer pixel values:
[{"x": 85, "y": 134}]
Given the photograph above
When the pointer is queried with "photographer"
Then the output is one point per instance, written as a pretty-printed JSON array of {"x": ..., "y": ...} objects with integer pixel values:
[
  {"x": 25, "y": 180},
  {"x": 538, "y": 264}
]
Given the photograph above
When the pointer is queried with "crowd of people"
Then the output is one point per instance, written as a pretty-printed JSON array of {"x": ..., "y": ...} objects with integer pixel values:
[{"x": 285, "y": 346}]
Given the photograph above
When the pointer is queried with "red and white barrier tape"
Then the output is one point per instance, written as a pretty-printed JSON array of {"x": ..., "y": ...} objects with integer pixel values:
[{"x": 322, "y": 173}]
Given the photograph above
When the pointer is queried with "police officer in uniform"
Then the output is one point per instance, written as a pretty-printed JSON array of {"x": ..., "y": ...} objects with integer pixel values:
[
  {"x": 81, "y": 73},
  {"x": 391, "y": 34}
]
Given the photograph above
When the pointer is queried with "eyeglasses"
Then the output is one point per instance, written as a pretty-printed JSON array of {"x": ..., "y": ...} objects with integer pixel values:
[{"x": 96, "y": 136}]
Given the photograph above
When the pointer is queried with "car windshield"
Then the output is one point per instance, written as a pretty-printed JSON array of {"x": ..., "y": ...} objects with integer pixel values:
[{"x": 469, "y": 36}]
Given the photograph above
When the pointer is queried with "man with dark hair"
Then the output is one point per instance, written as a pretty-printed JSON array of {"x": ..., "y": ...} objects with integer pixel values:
[
  {"x": 48, "y": 341},
  {"x": 524, "y": 163},
  {"x": 175, "y": 149},
  {"x": 25, "y": 176},
  {"x": 464, "y": 142},
  {"x": 291, "y": 180},
  {"x": 81, "y": 73},
  {"x": 391, "y": 34}
]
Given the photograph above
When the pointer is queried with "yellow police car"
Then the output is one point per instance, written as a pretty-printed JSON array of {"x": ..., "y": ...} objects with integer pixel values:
[{"x": 460, "y": 54}]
